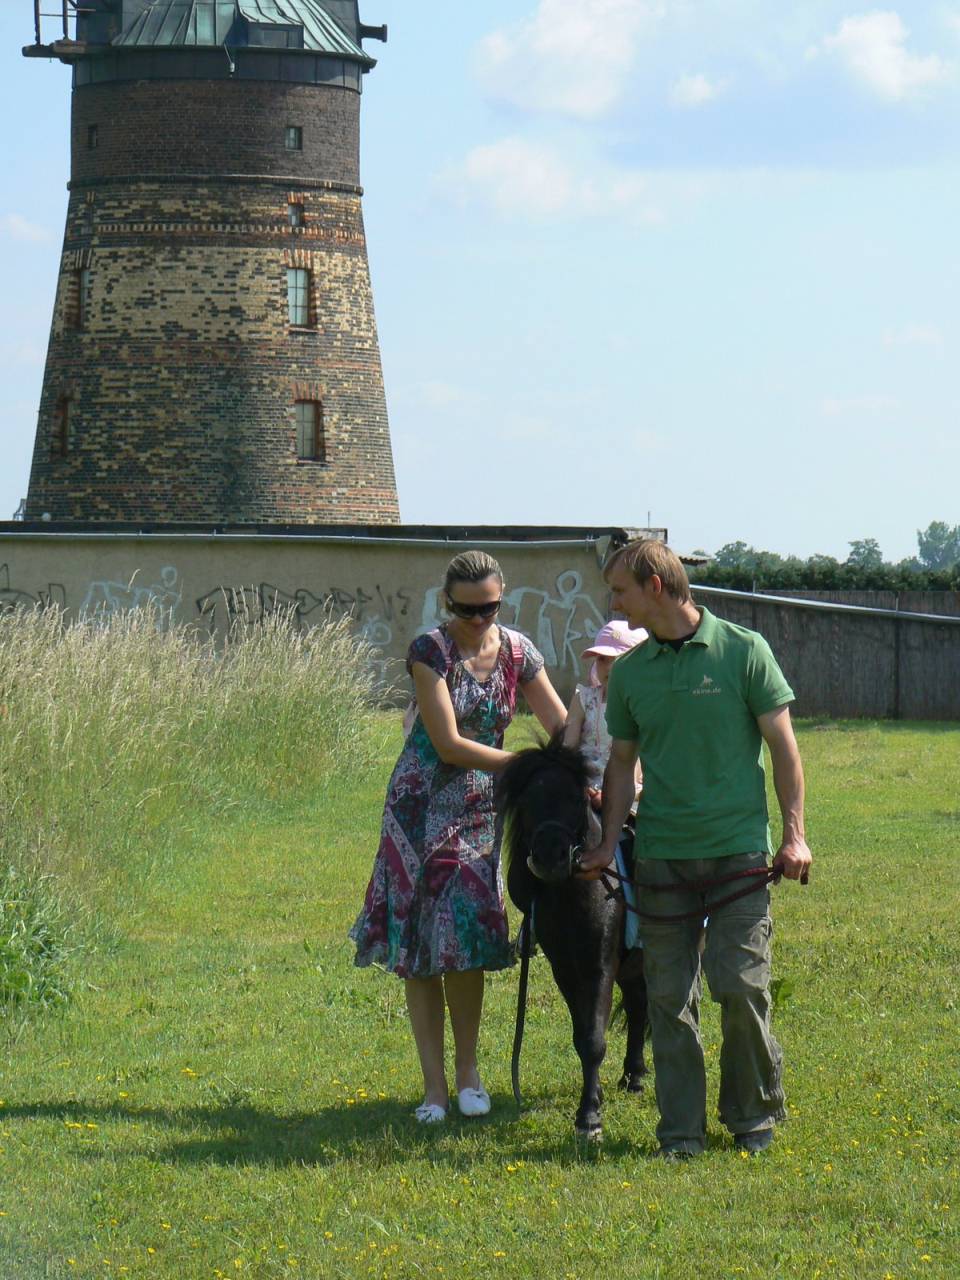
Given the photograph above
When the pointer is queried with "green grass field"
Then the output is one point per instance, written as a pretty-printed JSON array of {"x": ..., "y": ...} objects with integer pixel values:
[{"x": 227, "y": 1096}]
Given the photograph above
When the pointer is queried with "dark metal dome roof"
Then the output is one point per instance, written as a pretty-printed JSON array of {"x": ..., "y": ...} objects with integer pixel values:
[{"x": 294, "y": 24}]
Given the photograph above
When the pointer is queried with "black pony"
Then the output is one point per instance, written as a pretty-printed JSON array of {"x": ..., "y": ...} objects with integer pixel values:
[{"x": 541, "y": 799}]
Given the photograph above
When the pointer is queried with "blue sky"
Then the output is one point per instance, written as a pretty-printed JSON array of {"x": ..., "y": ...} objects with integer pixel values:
[{"x": 691, "y": 258}]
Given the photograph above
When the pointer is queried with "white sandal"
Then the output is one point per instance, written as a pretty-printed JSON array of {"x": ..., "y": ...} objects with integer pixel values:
[
  {"x": 430, "y": 1113},
  {"x": 473, "y": 1102}
]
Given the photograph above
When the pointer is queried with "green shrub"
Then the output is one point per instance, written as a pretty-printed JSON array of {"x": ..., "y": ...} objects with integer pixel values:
[{"x": 36, "y": 941}]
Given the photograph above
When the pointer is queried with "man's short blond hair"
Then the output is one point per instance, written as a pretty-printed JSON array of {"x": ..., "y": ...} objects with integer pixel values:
[{"x": 645, "y": 557}]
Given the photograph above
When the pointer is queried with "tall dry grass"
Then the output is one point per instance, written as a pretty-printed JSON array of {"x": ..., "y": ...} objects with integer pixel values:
[{"x": 119, "y": 735}]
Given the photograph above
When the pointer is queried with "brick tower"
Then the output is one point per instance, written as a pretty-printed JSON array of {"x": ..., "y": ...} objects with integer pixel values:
[{"x": 213, "y": 355}]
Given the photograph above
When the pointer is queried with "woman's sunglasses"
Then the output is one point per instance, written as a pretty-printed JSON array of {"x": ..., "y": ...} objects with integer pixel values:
[{"x": 474, "y": 610}]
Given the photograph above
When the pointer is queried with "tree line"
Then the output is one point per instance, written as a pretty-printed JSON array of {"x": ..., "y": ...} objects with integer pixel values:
[{"x": 935, "y": 567}]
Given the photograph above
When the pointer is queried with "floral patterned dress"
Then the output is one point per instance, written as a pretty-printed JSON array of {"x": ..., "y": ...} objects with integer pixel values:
[{"x": 434, "y": 903}]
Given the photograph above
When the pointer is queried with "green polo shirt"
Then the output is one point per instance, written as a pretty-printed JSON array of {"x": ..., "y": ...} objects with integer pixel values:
[{"x": 693, "y": 715}]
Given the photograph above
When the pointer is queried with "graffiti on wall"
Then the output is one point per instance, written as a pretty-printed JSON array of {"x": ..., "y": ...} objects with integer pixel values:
[
  {"x": 13, "y": 597},
  {"x": 374, "y": 613},
  {"x": 227, "y": 605},
  {"x": 561, "y": 618},
  {"x": 163, "y": 597},
  {"x": 561, "y": 622}
]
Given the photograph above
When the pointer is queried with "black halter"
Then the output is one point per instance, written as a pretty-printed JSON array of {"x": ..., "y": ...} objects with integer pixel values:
[{"x": 574, "y": 849}]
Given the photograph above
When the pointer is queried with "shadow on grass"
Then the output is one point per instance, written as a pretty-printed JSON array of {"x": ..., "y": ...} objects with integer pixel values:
[{"x": 376, "y": 1133}]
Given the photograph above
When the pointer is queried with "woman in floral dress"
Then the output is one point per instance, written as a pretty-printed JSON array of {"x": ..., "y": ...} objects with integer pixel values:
[{"x": 433, "y": 912}]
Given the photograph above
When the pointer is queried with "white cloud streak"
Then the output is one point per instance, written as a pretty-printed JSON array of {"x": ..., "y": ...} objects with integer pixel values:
[
  {"x": 570, "y": 56},
  {"x": 17, "y": 227},
  {"x": 914, "y": 335},
  {"x": 857, "y": 406},
  {"x": 872, "y": 47},
  {"x": 518, "y": 178},
  {"x": 695, "y": 90}
]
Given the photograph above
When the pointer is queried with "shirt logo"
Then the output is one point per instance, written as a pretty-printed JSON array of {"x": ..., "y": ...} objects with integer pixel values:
[{"x": 706, "y": 685}]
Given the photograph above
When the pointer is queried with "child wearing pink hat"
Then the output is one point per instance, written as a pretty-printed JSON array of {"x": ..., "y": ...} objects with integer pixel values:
[{"x": 586, "y": 717}]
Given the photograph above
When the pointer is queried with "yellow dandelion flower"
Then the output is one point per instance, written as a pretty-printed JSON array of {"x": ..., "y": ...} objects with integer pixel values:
[
  {"x": 626, "y": 1185},
  {"x": 151, "y": 1249},
  {"x": 328, "y": 1235},
  {"x": 499, "y": 1253},
  {"x": 165, "y": 1225},
  {"x": 925, "y": 1257},
  {"x": 121, "y": 1094},
  {"x": 188, "y": 1071}
]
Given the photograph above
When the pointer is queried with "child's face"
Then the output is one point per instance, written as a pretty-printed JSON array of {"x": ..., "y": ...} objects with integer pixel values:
[{"x": 603, "y": 670}]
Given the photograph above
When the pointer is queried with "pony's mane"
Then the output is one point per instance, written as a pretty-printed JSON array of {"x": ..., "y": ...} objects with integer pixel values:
[{"x": 527, "y": 764}]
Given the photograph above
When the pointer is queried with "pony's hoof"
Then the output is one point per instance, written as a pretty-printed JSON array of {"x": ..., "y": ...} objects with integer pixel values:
[
  {"x": 590, "y": 1137},
  {"x": 631, "y": 1083}
]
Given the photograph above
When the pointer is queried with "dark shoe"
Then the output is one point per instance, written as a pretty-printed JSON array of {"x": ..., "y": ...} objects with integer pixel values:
[{"x": 753, "y": 1143}]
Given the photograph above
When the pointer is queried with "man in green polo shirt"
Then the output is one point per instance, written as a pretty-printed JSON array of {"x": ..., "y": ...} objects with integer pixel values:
[{"x": 695, "y": 702}]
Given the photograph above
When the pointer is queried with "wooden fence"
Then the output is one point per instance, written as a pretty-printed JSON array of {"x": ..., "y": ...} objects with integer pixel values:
[{"x": 861, "y": 656}]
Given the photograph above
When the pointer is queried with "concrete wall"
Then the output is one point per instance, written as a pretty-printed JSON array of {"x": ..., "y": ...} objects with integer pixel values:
[
  {"x": 554, "y": 593},
  {"x": 839, "y": 663},
  {"x": 884, "y": 666}
]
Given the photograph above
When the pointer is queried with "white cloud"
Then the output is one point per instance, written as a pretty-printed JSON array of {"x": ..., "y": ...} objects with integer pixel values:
[
  {"x": 516, "y": 176},
  {"x": 695, "y": 90},
  {"x": 914, "y": 335},
  {"x": 438, "y": 395},
  {"x": 17, "y": 227},
  {"x": 569, "y": 56},
  {"x": 521, "y": 178},
  {"x": 20, "y": 355},
  {"x": 847, "y": 406},
  {"x": 873, "y": 48}
]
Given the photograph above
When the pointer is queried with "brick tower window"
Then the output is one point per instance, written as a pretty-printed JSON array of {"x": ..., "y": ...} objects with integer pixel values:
[
  {"x": 93, "y": 137},
  {"x": 293, "y": 137},
  {"x": 310, "y": 442},
  {"x": 295, "y": 214},
  {"x": 60, "y": 436},
  {"x": 298, "y": 297},
  {"x": 77, "y": 298},
  {"x": 82, "y": 285}
]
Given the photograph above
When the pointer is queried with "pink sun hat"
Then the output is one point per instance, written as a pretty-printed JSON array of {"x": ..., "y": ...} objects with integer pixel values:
[{"x": 613, "y": 638}]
